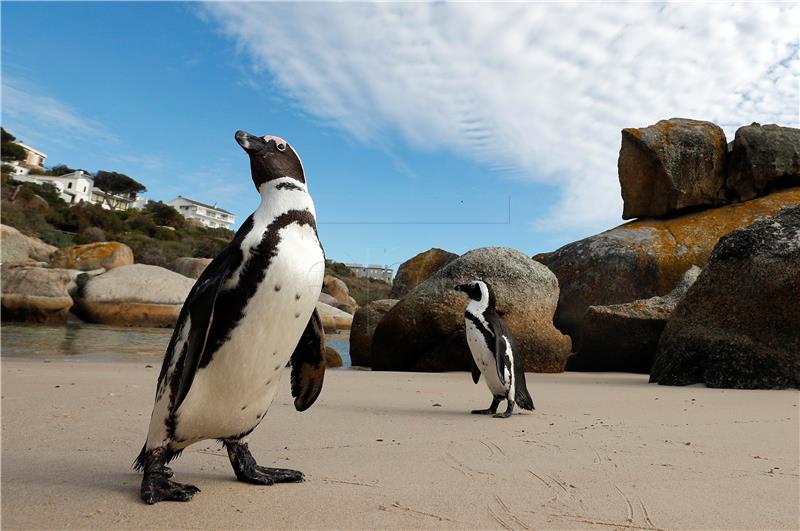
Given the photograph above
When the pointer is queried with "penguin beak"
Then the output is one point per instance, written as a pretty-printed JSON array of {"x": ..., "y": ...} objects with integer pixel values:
[
  {"x": 461, "y": 287},
  {"x": 250, "y": 143}
]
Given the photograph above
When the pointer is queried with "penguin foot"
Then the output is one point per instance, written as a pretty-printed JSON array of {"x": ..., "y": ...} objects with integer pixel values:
[
  {"x": 484, "y": 411},
  {"x": 247, "y": 470},
  {"x": 507, "y": 413},
  {"x": 156, "y": 487}
]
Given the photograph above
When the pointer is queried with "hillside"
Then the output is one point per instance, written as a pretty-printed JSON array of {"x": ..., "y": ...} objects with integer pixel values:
[{"x": 363, "y": 290}]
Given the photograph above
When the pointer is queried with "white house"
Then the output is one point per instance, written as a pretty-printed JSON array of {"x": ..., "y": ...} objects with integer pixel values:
[
  {"x": 209, "y": 215},
  {"x": 72, "y": 187},
  {"x": 375, "y": 271},
  {"x": 33, "y": 157}
]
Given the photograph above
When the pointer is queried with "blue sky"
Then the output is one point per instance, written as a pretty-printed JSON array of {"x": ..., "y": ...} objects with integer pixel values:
[{"x": 418, "y": 125}]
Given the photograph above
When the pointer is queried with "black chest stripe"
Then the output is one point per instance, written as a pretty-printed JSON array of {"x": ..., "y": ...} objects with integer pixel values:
[
  {"x": 230, "y": 305},
  {"x": 488, "y": 336},
  {"x": 288, "y": 186}
]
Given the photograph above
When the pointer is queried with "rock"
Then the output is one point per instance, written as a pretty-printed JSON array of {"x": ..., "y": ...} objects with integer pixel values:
[
  {"x": 191, "y": 267},
  {"x": 624, "y": 337},
  {"x": 37, "y": 294},
  {"x": 133, "y": 295},
  {"x": 674, "y": 164},
  {"x": 739, "y": 324},
  {"x": 414, "y": 271},
  {"x": 327, "y": 299},
  {"x": 425, "y": 330},
  {"x": 762, "y": 159},
  {"x": 348, "y": 308},
  {"x": 333, "y": 319},
  {"x": 332, "y": 358},
  {"x": 108, "y": 255},
  {"x": 645, "y": 258},
  {"x": 365, "y": 321},
  {"x": 17, "y": 247},
  {"x": 336, "y": 288}
]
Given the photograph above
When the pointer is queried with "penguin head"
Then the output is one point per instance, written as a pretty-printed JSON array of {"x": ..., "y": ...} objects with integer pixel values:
[
  {"x": 478, "y": 291},
  {"x": 271, "y": 158}
]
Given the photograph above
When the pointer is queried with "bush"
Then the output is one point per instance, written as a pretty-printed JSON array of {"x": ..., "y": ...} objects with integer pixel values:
[
  {"x": 93, "y": 235},
  {"x": 164, "y": 214}
]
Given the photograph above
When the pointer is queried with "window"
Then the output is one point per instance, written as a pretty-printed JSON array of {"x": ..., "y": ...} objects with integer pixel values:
[{"x": 69, "y": 185}]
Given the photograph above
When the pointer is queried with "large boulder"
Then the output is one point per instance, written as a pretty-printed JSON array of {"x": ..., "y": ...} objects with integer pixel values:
[
  {"x": 333, "y": 319},
  {"x": 645, "y": 258},
  {"x": 332, "y": 358},
  {"x": 17, "y": 247},
  {"x": 336, "y": 288},
  {"x": 365, "y": 321},
  {"x": 37, "y": 294},
  {"x": 624, "y": 337},
  {"x": 191, "y": 267},
  {"x": 107, "y": 255},
  {"x": 133, "y": 295},
  {"x": 414, "y": 271},
  {"x": 762, "y": 159},
  {"x": 674, "y": 164},
  {"x": 739, "y": 324},
  {"x": 425, "y": 330}
]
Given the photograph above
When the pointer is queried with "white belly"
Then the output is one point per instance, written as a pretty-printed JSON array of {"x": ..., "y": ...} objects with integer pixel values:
[
  {"x": 484, "y": 359},
  {"x": 234, "y": 391}
]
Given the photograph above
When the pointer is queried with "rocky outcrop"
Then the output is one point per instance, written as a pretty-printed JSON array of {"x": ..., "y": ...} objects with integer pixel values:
[
  {"x": 338, "y": 290},
  {"x": 672, "y": 165},
  {"x": 327, "y": 299},
  {"x": 191, "y": 267},
  {"x": 365, "y": 321},
  {"x": 37, "y": 294},
  {"x": 107, "y": 255},
  {"x": 425, "y": 330},
  {"x": 624, "y": 337},
  {"x": 762, "y": 159},
  {"x": 332, "y": 358},
  {"x": 645, "y": 258},
  {"x": 739, "y": 324},
  {"x": 16, "y": 247},
  {"x": 333, "y": 318},
  {"x": 414, "y": 271},
  {"x": 133, "y": 295}
]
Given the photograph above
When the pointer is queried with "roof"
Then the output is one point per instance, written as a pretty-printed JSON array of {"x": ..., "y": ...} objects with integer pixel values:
[
  {"x": 198, "y": 203},
  {"x": 28, "y": 148}
]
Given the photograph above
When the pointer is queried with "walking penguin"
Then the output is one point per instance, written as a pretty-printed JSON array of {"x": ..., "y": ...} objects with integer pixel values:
[
  {"x": 494, "y": 352},
  {"x": 252, "y": 309}
]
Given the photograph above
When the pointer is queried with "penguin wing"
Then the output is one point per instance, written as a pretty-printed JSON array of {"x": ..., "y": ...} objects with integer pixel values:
[
  {"x": 308, "y": 364},
  {"x": 473, "y": 367},
  {"x": 199, "y": 308},
  {"x": 501, "y": 344}
]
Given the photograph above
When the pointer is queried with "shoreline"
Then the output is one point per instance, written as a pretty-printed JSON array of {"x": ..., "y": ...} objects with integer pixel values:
[{"x": 400, "y": 450}]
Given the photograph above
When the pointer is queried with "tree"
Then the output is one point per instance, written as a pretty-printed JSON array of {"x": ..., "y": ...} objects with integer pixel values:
[
  {"x": 11, "y": 150},
  {"x": 63, "y": 169},
  {"x": 164, "y": 214},
  {"x": 118, "y": 184}
]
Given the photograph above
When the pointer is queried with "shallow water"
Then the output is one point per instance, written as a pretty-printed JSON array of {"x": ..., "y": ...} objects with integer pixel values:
[{"x": 101, "y": 343}]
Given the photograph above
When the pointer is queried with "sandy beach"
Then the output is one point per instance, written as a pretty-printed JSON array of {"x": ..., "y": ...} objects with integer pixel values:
[{"x": 399, "y": 450}]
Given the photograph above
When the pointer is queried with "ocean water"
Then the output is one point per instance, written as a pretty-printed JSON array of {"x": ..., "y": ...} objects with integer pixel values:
[{"x": 103, "y": 343}]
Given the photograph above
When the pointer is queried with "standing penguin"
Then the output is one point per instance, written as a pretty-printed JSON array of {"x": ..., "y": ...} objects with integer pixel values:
[
  {"x": 494, "y": 351},
  {"x": 251, "y": 310}
]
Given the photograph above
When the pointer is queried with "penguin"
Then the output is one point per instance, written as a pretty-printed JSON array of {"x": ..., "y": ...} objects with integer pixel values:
[
  {"x": 251, "y": 311},
  {"x": 494, "y": 351}
]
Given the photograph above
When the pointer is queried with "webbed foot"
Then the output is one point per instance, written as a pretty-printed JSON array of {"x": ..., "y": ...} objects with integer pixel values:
[
  {"x": 507, "y": 413},
  {"x": 247, "y": 470},
  {"x": 491, "y": 410},
  {"x": 156, "y": 487}
]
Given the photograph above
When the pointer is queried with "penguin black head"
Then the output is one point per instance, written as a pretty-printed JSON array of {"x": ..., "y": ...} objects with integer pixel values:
[
  {"x": 271, "y": 158},
  {"x": 478, "y": 291}
]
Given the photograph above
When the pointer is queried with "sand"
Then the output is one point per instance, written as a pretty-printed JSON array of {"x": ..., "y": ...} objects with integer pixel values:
[{"x": 399, "y": 450}]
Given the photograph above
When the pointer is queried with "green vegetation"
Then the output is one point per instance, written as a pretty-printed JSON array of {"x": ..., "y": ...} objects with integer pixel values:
[
  {"x": 363, "y": 290},
  {"x": 158, "y": 234},
  {"x": 10, "y": 149}
]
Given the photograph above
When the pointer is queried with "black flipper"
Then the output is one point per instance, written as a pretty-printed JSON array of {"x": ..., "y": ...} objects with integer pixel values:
[
  {"x": 308, "y": 364},
  {"x": 473, "y": 367},
  {"x": 502, "y": 339},
  {"x": 199, "y": 307}
]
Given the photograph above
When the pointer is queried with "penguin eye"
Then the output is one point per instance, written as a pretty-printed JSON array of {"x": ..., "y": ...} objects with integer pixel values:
[{"x": 281, "y": 147}]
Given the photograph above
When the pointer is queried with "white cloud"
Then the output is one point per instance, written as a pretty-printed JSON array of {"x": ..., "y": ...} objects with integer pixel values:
[
  {"x": 36, "y": 117},
  {"x": 540, "y": 89}
]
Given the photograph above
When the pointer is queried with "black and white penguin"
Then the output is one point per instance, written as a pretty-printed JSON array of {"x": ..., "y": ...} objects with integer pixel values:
[
  {"x": 494, "y": 352},
  {"x": 251, "y": 310}
]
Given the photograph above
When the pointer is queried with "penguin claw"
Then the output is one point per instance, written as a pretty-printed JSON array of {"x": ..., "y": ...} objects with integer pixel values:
[
  {"x": 261, "y": 475},
  {"x": 158, "y": 487}
]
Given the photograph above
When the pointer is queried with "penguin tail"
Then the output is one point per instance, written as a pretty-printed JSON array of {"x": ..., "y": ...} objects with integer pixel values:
[
  {"x": 524, "y": 400},
  {"x": 138, "y": 464}
]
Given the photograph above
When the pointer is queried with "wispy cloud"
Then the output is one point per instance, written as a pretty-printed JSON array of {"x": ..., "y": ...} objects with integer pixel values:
[
  {"x": 541, "y": 90},
  {"x": 38, "y": 117}
]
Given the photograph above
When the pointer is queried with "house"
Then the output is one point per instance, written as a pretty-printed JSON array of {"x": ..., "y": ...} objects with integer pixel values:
[
  {"x": 72, "y": 187},
  {"x": 79, "y": 186},
  {"x": 33, "y": 157},
  {"x": 376, "y": 271},
  {"x": 209, "y": 215}
]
